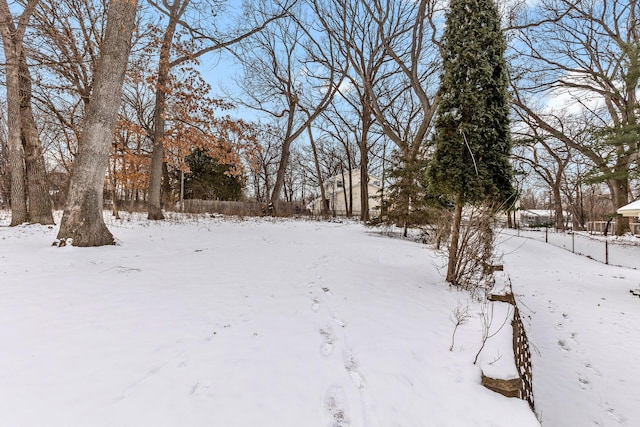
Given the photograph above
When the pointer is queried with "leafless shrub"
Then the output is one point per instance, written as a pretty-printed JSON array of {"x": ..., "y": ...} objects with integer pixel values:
[
  {"x": 442, "y": 228},
  {"x": 487, "y": 317},
  {"x": 475, "y": 250},
  {"x": 459, "y": 317}
]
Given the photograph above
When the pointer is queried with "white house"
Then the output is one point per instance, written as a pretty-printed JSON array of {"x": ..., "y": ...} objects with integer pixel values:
[
  {"x": 337, "y": 192},
  {"x": 541, "y": 217},
  {"x": 630, "y": 210}
]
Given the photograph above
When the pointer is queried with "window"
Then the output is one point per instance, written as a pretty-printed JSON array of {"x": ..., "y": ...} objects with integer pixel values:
[{"x": 339, "y": 184}]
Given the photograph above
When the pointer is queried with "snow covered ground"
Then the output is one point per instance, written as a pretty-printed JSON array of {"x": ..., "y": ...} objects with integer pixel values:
[
  {"x": 615, "y": 250},
  {"x": 218, "y": 322},
  {"x": 584, "y": 328}
]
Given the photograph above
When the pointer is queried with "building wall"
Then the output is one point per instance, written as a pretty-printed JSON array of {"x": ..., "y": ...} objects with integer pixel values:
[
  {"x": 335, "y": 194},
  {"x": 337, "y": 201},
  {"x": 540, "y": 217}
]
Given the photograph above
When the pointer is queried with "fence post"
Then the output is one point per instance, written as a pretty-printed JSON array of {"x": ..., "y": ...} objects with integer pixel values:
[
  {"x": 606, "y": 251},
  {"x": 546, "y": 234},
  {"x": 573, "y": 242}
]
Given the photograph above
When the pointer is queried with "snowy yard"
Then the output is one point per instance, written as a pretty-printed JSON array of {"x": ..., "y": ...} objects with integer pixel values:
[
  {"x": 584, "y": 328},
  {"x": 622, "y": 251},
  {"x": 222, "y": 322}
]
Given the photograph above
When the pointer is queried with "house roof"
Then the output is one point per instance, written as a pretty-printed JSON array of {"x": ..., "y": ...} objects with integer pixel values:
[
  {"x": 632, "y": 209},
  {"x": 538, "y": 212}
]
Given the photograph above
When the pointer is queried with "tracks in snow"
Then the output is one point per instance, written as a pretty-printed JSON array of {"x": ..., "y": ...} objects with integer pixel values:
[
  {"x": 569, "y": 344},
  {"x": 335, "y": 349}
]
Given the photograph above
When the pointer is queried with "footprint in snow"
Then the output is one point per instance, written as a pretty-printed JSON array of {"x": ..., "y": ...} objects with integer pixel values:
[
  {"x": 584, "y": 382},
  {"x": 351, "y": 365},
  {"x": 357, "y": 379},
  {"x": 329, "y": 339},
  {"x": 563, "y": 345},
  {"x": 199, "y": 388},
  {"x": 590, "y": 367},
  {"x": 316, "y": 304},
  {"x": 613, "y": 414},
  {"x": 336, "y": 407},
  {"x": 339, "y": 321}
]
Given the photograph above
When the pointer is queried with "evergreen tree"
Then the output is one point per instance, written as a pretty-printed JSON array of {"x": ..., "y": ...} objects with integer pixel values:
[
  {"x": 472, "y": 143},
  {"x": 210, "y": 180},
  {"x": 405, "y": 204}
]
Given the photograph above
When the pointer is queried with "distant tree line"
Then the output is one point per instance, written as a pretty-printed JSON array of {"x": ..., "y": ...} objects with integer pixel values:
[{"x": 332, "y": 86}]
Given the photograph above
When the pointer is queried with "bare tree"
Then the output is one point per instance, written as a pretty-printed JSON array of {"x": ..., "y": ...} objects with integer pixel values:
[
  {"x": 408, "y": 106},
  {"x": 279, "y": 80},
  {"x": 204, "y": 39},
  {"x": 64, "y": 48},
  {"x": 266, "y": 162},
  {"x": 25, "y": 151},
  {"x": 343, "y": 127},
  {"x": 587, "y": 52},
  {"x": 576, "y": 189},
  {"x": 412, "y": 41},
  {"x": 316, "y": 161},
  {"x": 39, "y": 202},
  {"x": 12, "y": 39},
  {"x": 67, "y": 36},
  {"x": 134, "y": 143},
  {"x": 82, "y": 221},
  {"x": 352, "y": 28},
  {"x": 392, "y": 51},
  {"x": 548, "y": 158}
]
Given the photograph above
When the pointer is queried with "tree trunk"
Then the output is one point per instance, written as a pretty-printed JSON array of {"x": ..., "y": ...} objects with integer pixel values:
[
  {"x": 350, "y": 168},
  {"x": 16, "y": 151},
  {"x": 114, "y": 193},
  {"x": 453, "y": 248},
  {"x": 284, "y": 158},
  {"x": 154, "y": 209},
  {"x": 559, "y": 213},
  {"x": 582, "y": 217},
  {"x": 12, "y": 43},
  {"x": 282, "y": 168},
  {"x": 323, "y": 195},
  {"x": 364, "y": 187},
  {"x": 364, "y": 163},
  {"x": 82, "y": 220},
  {"x": 168, "y": 198},
  {"x": 620, "y": 190},
  {"x": 344, "y": 187},
  {"x": 39, "y": 208},
  {"x": 383, "y": 177},
  {"x": 134, "y": 197}
]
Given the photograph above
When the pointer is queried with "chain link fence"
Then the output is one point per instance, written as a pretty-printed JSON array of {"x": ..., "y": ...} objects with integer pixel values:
[{"x": 623, "y": 251}]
